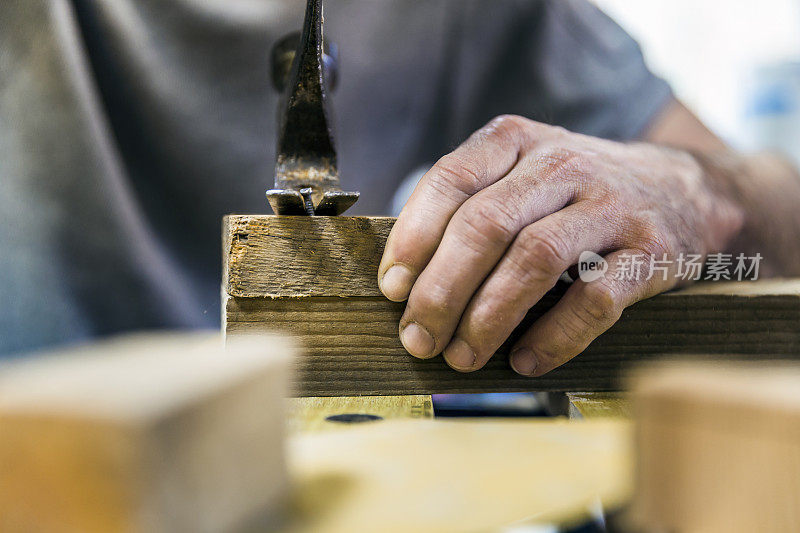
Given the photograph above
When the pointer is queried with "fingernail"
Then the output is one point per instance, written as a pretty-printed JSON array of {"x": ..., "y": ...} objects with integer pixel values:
[
  {"x": 416, "y": 340},
  {"x": 523, "y": 361},
  {"x": 396, "y": 282},
  {"x": 459, "y": 355}
]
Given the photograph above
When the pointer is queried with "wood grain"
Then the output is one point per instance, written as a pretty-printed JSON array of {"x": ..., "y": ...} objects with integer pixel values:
[
  {"x": 599, "y": 405},
  {"x": 315, "y": 278},
  {"x": 280, "y": 257},
  {"x": 351, "y": 345}
]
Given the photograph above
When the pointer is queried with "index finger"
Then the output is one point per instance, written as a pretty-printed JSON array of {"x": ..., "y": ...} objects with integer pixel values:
[{"x": 488, "y": 155}]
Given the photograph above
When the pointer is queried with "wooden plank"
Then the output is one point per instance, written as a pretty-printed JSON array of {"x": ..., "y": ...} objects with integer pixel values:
[
  {"x": 718, "y": 447},
  {"x": 459, "y": 475},
  {"x": 313, "y": 414},
  {"x": 599, "y": 405},
  {"x": 161, "y": 433},
  {"x": 351, "y": 345},
  {"x": 315, "y": 278}
]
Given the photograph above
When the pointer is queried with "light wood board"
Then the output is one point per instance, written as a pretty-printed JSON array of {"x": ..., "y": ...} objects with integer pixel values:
[
  {"x": 458, "y": 476},
  {"x": 316, "y": 279},
  {"x": 599, "y": 405},
  {"x": 312, "y": 414}
]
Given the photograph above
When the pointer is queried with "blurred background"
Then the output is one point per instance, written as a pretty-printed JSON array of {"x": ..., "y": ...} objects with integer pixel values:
[{"x": 736, "y": 64}]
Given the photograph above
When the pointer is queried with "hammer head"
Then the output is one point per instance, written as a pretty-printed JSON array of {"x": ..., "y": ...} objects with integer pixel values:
[{"x": 306, "y": 173}]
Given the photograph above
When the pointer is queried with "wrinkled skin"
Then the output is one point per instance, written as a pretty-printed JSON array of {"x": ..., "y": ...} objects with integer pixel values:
[{"x": 494, "y": 224}]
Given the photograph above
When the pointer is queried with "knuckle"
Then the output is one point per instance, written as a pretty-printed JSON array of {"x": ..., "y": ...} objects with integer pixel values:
[
  {"x": 507, "y": 126},
  {"x": 454, "y": 172},
  {"x": 432, "y": 300},
  {"x": 655, "y": 245},
  {"x": 542, "y": 255},
  {"x": 650, "y": 237},
  {"x": 488, "y": 222},
  {"x": 653, "y": 242},
  {"x": 565, "y": 163},
  {"x": 613, "y": 204},
  {"x": 507, "y": 131},
  {"x": 599, "y": 304},
  {"x": 609, "y": 209},
  {"x": 486, "y": 329}
]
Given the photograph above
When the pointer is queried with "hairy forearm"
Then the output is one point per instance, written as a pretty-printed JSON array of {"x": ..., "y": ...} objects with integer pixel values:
[{"x": 766, "y": 188}]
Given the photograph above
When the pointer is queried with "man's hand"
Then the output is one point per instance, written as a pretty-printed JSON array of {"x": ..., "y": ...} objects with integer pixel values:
[{"x": 493, "y": 225}]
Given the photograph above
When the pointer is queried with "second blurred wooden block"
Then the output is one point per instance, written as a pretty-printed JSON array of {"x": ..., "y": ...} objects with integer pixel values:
[{"x": 719, "y": 447}]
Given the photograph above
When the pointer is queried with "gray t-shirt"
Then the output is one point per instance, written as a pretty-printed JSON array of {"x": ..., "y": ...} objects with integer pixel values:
[{"x": 129, "y": 127}]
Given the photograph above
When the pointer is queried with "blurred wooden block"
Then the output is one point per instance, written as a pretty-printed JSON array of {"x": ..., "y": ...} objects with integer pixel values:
[
  {"x": 718, "y": 448},
  {"x": 316, "y": 279},
  {"x": 144, "y": 434}
]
